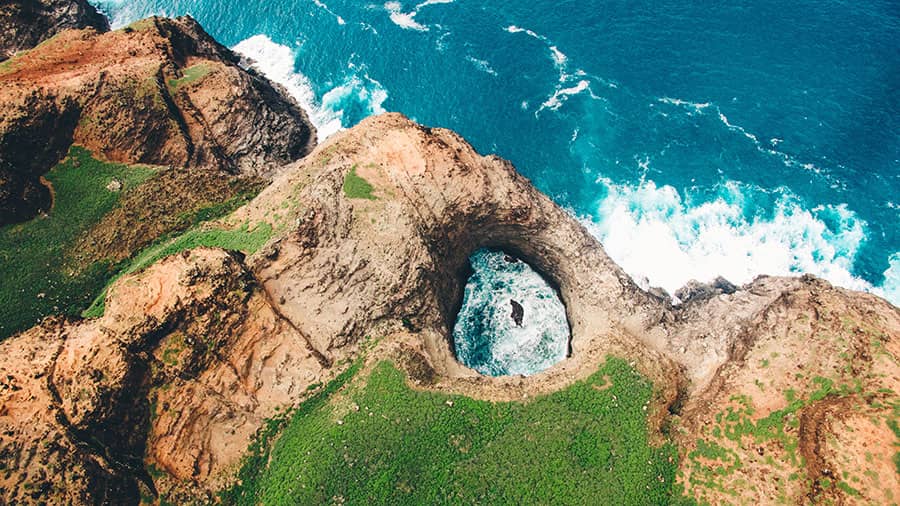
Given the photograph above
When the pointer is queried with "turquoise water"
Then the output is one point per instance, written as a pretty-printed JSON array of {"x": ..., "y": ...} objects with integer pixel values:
[
  {"x": 694, "y": 140},
  {"x": 486, "y": 336}
]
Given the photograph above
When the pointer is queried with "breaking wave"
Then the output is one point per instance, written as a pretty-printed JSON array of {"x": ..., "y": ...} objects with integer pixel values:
[
  {"x": 407, "y": 20},
  {"x": 664, "y": 238},
  {"x": 355, "y": 98},
  {"x": 487, "y": 338}
]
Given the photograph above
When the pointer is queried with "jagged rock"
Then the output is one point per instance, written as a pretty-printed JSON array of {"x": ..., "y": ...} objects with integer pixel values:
[
  {"x": 183, "y": 373},
  {"x": 26, "y": 23},
  {"x": 194, "y": 353},
  {"x": 695, "y": 290},
  {"x": 160, "y": 92},
  {"x": 518, "y": 312}
]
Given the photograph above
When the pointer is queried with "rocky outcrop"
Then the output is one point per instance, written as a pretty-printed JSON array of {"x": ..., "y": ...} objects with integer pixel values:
[
  {"x": 195, "y": 352},
  {"x": 160, "y": 92},
  {"x": 26, "y": 23},
  {"x": 180, "y": 369},
  {"x": 696, "y": 291}
]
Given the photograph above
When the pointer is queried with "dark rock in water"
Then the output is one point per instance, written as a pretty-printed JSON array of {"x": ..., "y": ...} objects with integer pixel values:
[
  {"x": 510, "y": 259},
  {"x": 518, "y": 312},
  {"x": 694, "y": 290}
]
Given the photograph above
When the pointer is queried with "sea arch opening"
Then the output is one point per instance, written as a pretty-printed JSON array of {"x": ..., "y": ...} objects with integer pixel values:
[{"x": 512, "y": 319}]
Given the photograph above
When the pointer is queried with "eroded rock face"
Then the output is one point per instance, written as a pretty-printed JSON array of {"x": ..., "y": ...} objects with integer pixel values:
[
  {"x": 160, "y": 92},
  {"x": 195, "y": 352},
  {"x": 181, "y": 369},
  {"x": 26, "y": 23}
]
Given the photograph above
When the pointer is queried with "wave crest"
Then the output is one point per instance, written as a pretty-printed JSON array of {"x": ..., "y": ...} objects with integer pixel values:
[
  {"x": 664, "y": 239},
  {"x": 356, "y": 97}
]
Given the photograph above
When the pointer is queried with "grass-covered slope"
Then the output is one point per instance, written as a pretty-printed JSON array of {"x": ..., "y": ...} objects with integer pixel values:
[
  {"x": 246, "y": 239},
  {"x": 108, "y": 219},
  {"x": 38, "y": 278},
  {"x": 377, "y": 441}
]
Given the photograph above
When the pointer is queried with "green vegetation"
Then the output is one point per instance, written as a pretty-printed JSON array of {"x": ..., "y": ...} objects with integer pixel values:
[
  {"x": 895, "y": 428},
  {"x": 377, "y": 441},
  {"x": 9, "y": 66},
  {"x": 245, "y": 239},
  {"x": 189, "y": 75},
  {"x": 38, "y": 279},
  {"x": 140, "y": 25},
  {"x": 356, "y": 187},
  {"x": 173, "y": 350},
  {"x": 219, "y": 209},
  {"x": 711, "y": 463},
  {"x": 40, "y": 275}
]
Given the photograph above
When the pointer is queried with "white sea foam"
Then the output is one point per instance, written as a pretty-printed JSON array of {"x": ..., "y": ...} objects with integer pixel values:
[
  {"x": 891, "y": 287},
  {"x": 276, "y": 62},
  {"x": 558, "y": 56},
  {"x": 482, "y": 65},
  {"x": 122, "y": 13},
  {"x": 516, "y": 29},
  {"x": 766, "y": 148},
  {"x": 486, "y": 337},
  {"x": 407, "y": 20},
  {"x": 562, "y": 94},
  {"x": 696, "y": 107},
  {"x": 324, "y": 7},
  {"x": 569, "y": 82},
  {"x": 661, "y": 239}
]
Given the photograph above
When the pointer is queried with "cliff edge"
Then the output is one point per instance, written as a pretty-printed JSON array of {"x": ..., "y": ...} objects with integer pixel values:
[
  {"x": 159, "y": 92},
  {"x": 356, "y": 251},
  {"x": 195, "y": 352},
  {"x": 26, "y": 23}
]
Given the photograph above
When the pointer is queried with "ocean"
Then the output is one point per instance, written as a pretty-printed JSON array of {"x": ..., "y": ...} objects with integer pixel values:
[{"x": 693, "y": 139}]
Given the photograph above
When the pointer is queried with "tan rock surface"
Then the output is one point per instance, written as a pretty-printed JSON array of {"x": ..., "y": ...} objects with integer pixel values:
[{"x": 195, "y": 352}]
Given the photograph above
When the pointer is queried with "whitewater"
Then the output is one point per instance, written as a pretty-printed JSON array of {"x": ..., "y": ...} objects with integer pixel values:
[
  {"x": 734, "y": 140},
  {"x": 641, "y": 224}
]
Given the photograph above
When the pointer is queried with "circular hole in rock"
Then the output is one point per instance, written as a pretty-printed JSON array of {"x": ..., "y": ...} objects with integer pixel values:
[{"x": 511, "y": 321}]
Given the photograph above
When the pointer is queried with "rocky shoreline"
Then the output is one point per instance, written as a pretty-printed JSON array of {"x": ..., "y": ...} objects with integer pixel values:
[{"x": 165, "y": 391}]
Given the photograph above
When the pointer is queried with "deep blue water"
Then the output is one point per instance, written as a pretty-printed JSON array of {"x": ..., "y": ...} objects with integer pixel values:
[{"x": 694, "y": 139}]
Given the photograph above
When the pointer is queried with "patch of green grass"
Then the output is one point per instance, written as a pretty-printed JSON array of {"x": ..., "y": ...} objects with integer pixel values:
[
  {"x": 38, "y": 279},
  {"x": 380, "y": 442},
  {"x": 218, "y": 210},
  {"x": 190, "y": 75},
  {"x": 140, "y": 25},
  {"x": 9, "y": 66},
  {"x": 244, "y": 239},
  {"x": 847, "y": 489},
  {"x": 895, "y": 428},
  {"x": 356, "y": 187},
  {"x": 711, "y": 462}
]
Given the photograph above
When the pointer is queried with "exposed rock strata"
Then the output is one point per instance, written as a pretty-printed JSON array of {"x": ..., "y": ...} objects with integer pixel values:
[
  {"x": 160, "y": 92},
  {"x": 26, "y": 23},
  {"x": 195, "y": 352}
]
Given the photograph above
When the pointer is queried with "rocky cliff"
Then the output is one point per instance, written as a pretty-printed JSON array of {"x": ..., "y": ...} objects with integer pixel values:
[
  {"x": 26, "y": 23},
  {"x": 195, "y": 352},
  {"x": 159, "y": 92},
  {"x": 773, "y": 391}
]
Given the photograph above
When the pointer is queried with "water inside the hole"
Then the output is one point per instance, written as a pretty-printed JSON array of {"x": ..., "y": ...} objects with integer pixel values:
[{"x": 487, "y": 335}]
